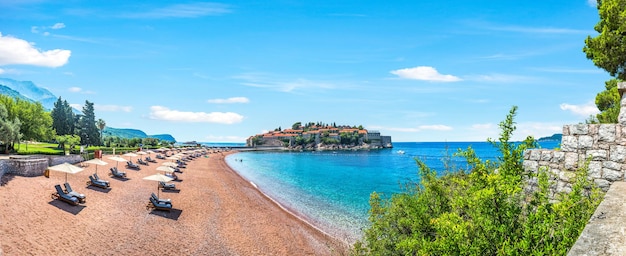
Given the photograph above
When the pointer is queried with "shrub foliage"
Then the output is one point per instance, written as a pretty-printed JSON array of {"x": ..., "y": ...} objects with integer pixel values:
[{"x": 484, "y": 210}]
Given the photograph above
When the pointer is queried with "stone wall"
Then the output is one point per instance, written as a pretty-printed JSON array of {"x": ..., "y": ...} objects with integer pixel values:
[
  {"x": 30, "y": 166},
  {"x": 604, "y": 145}
]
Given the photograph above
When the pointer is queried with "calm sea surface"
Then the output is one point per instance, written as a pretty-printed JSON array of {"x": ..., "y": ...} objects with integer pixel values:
[{"x": 331, "y": 189}]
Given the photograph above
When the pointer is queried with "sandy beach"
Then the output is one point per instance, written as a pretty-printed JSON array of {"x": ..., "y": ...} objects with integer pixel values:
[{"x": 216, "y": 212}]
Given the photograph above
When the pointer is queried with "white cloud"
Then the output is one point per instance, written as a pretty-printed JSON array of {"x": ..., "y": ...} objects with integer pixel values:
[
  {"x": 281, "y": 84},
  {"x": 229, "y": 100},
  {"x": 58, "y": 26},
  {"x": 584, "y": 110},
  {"x": 424, "y": 73},
  {"x": 193, "y": 10},
  {"x": 435, "y": 127},
  {"x": 77, "y": 106},
  {"x": 487, "y": 126},
  {"x": 501, "y": 78},
  {"x": 9, "y": 71},
  {"x": 112, "y": 108},
  {"x": 17, "y": 51},
  {"x": 592, "y": 3},
  {"x": 75, "y": 89},
  {"x": 163, "y": 113}
]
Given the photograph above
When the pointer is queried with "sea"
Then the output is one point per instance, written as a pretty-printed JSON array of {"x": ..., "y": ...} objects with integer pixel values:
[{"x": 331, "y": 189}]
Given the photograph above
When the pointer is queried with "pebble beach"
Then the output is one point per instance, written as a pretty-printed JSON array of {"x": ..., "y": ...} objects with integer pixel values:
[{"x": 215, "y": 212}]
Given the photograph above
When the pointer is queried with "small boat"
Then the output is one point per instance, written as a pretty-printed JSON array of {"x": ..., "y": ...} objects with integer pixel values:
[{"x": 401, "y": 152}]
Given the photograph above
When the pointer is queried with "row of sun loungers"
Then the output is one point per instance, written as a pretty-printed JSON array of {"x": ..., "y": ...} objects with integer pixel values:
[{"x": 75, "y": 198}]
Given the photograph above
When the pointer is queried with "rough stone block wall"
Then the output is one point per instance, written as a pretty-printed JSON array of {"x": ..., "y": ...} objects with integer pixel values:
[
  {"x": 34, "y": 166},
  {"x": 604, "y": 145}
]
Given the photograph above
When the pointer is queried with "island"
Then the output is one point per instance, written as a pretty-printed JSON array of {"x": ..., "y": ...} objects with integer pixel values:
[{"x": 319, "y": 136}]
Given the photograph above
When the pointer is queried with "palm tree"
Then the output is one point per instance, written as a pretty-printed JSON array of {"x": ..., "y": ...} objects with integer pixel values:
[{"x": 101, "y": 124}]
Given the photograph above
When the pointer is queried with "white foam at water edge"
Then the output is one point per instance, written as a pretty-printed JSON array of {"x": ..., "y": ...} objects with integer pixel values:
[{"x": 254, "y": 185}]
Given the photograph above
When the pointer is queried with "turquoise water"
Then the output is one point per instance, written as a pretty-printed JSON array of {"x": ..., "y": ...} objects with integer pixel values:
[{"x": 331, "y": 189}]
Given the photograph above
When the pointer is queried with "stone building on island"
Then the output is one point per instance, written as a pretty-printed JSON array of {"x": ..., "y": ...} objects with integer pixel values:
[{"x": 320, "y": 137}]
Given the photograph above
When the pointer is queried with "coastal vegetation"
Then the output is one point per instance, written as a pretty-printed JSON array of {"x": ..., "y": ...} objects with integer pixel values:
[
  {"x": 28, "y": 121},
  {"x": 607, "y": 50},
  {"x": 484, "y": 210}
]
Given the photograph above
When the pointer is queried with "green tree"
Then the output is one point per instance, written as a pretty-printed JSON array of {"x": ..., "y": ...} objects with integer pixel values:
[
  {"x": 480, "y": 211},
  {"x": 608, "y": 50},
  {"x": 88, "y": 131},
  {"x": 63, "y": 118},
  {"x": 68, "y": 140},
  {"x": 35, "y": 120},
  {"x": 608, "y": 102},
  {"x": 9, "y": 129},
  {"x": 101, "y": 125}
]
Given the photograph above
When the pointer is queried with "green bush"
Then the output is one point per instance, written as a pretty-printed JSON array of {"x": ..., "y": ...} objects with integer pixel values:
[{"x": 481, "y": 211}]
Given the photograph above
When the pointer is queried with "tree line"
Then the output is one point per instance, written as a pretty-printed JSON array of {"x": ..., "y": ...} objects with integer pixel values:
[{"x": 22, "y": 120}]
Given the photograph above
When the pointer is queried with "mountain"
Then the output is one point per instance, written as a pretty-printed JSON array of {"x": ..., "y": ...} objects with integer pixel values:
[
  {"x": 166, "y": 137},
  {"x": 29, "y": 90},
  {"x": 133, "y": 133},
  {"x": 554, "y": 137},
  {"x": 13, "y": 93}
]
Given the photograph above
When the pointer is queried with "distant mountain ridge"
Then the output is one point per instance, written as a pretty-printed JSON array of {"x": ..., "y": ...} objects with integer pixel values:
[
  {"x": 133, "y": 133},
  {"x": 27, "y": 90}
]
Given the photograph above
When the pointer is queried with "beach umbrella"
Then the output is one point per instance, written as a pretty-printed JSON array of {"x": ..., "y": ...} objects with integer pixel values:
[
  {"x": 173, "y": 157},
  {"x": 66, "y": 168},
  {"x": 165, "y": 169},
  {"x": 131, "y": 155},
  {"x": 97, "y": 162},
  {"x": 158, "y": 177},
  {"x": 170, "y": 164},
  {"x": 117, "y": 159}
]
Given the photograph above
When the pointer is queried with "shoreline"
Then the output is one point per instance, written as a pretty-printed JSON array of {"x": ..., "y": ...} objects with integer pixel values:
[
  {"x": 301, "y": 217},
  {"x": 216, "y": 212}
]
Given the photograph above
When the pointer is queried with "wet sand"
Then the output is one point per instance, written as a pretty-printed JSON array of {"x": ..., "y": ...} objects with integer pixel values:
[{"x": 216, "y": 212}]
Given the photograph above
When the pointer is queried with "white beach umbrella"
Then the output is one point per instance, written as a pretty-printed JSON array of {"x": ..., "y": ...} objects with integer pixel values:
[
  {"x": 170, "y": 164},
  {"x": 141, "y": 153},
  {"x": 158, "y": 177},
  {"x": 165, "y": 169},
  {"x": 118, "y": 159},
  {"x": 97, "y": 162},
  {"x": 66, "y": 168},
  {"x": 131, "y": 155}
]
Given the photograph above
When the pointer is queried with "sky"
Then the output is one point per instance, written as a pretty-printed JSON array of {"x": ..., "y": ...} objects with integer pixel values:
[{"x": 223, "y": 71}]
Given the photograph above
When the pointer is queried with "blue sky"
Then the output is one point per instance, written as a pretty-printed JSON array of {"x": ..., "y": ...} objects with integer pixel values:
[{"x": 223, "y": 71}]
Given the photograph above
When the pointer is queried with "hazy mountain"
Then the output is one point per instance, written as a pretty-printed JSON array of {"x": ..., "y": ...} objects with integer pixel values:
[
  {"x": 133, "y": 133},
  {"x": 28, "y": 90}
]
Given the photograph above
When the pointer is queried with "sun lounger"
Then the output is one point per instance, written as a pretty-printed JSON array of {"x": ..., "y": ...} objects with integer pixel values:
[
  {"x": 166, "y": 186},
  {"x": 161, "y": 200},
  {"x": 94, "y": 182},
  {"x": 149, "y": 159},
  {"x": 117, "y": 174},
  {"x": 95, "y": 175},
  {"x": 61, "y": 195},
  {"x": 159, "y": 156},
  {"x": 132, "y": 165},
  {"x": 141, "y": 161},
  {"x": 68, "y": 190},
  {"x": 159, "y": 206}
]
